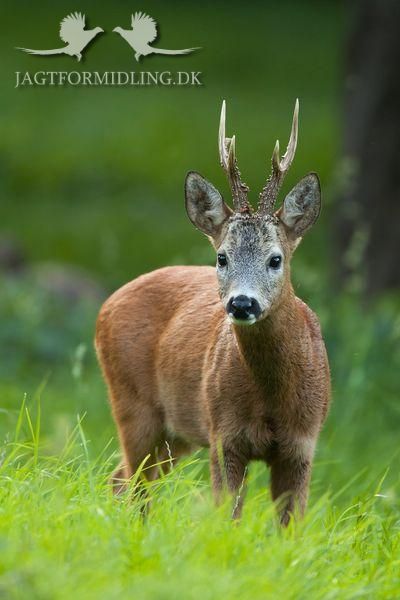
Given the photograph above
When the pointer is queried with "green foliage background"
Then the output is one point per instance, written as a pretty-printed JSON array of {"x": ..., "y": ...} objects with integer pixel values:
[
  {"x": 93, "y": 178},
  {"x": 99, "y": 171}
]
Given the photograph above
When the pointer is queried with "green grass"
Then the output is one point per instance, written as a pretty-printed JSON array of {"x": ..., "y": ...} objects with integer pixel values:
[{"x": 63, "y": 535}]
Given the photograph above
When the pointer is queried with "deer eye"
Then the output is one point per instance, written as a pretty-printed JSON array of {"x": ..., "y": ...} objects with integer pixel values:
[
  {"x": 222, "y": 260},
  {"x": 275, "y": 262}
]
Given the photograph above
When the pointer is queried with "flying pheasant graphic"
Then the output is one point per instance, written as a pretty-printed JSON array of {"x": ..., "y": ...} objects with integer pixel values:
[
  {"x": 143, "y": 32},
  {"x": 74, "y": 34}
]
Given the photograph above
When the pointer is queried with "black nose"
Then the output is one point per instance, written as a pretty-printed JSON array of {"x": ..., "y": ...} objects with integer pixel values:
[{"x": 242, "y": 308}]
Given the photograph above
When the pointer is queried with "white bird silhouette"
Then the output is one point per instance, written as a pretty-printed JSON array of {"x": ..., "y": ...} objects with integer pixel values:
[
  {"x": 144, "y": 31},
  {"x": 74, "y": 34}
]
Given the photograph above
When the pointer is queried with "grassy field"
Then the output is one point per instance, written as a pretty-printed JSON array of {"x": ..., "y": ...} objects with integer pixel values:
[
  {"x": 62, "y": 533},
  {"x": 92, "y": 179}
]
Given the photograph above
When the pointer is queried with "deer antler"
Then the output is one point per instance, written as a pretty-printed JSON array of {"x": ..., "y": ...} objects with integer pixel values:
[
  {"x": 228, "y": 161},
  {"x": 279, "y": 168}
]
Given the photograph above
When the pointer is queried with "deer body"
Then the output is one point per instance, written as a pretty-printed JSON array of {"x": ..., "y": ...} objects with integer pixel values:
[{"x": 182, "y": 367}]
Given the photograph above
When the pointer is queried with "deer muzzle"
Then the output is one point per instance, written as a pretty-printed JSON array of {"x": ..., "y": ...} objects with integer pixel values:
[{"x": 243, "y": 310}]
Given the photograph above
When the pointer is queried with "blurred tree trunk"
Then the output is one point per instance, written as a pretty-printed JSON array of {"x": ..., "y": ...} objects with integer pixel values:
[{"x": 368, "y": 223}]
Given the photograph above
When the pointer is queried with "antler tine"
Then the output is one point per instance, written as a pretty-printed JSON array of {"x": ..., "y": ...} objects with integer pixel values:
[
  {"x": 279, "y": 167},
  {"x": 223, "y": 154},
  {"x": 227, "y": 156}
]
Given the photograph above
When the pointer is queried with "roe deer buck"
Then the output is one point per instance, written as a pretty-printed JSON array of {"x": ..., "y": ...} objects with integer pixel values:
[{"x": 183, "y": 366}]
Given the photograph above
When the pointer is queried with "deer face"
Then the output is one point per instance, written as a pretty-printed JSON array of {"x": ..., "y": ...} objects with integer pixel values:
[
  {"x": 252, "y": 261},
  {"x": 253, "y": 249}
]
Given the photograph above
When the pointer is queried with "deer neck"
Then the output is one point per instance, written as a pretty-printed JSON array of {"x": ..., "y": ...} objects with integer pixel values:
[{"x": 272, "y": 346}]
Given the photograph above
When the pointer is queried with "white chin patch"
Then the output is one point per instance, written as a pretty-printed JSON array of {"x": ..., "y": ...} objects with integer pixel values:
[{"x": 250, "y": 321}]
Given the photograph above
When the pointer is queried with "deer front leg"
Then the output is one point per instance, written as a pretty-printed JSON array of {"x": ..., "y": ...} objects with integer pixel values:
[
  {"x": 290, "y": 477},
  {"x": 227, "y": 465}
]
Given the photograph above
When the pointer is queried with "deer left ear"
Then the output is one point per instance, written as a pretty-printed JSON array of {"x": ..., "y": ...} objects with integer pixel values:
[{"x": 301, "y": 207}]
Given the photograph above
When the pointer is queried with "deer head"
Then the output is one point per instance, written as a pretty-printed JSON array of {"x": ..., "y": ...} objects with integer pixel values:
[{"x": 254, "y": 248}]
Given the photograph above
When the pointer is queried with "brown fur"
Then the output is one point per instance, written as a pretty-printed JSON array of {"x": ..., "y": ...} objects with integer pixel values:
[{"x": 178, "y": 371}]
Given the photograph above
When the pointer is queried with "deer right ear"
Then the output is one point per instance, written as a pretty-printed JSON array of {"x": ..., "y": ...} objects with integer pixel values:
[{"x": 204, "y": 205}]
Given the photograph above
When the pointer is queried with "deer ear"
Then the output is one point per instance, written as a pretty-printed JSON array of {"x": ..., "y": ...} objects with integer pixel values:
[
  {"x": 204, "y": 205},
  {"x": 301, "y": 207}
]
